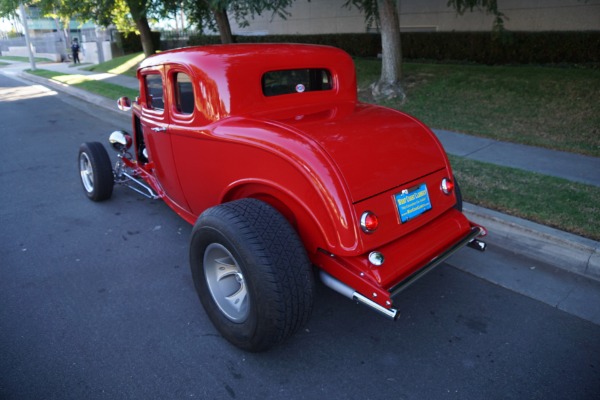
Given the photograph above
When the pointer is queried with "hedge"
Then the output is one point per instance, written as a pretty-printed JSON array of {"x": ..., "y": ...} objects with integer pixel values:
[
  {"x": 131, "y": 43},
  {"x": 473, "y": 47}
]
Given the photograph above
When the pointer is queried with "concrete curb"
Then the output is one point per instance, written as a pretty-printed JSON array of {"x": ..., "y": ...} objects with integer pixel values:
[
  {"x": 539, "y": 242},
  {"x": 535, "y": 241}
]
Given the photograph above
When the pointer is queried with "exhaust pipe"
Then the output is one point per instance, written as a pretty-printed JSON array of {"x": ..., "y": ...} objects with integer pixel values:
[
  {"x": 477, "y": 245},
  {"x": 352, "y": 294}
]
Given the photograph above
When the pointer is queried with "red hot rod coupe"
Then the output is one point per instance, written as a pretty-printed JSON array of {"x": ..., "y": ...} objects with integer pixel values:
[{"x": 266, "y": 150}]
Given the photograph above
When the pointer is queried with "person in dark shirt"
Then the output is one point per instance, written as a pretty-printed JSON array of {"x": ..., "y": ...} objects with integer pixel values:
[{"x": 75, "y": 51}]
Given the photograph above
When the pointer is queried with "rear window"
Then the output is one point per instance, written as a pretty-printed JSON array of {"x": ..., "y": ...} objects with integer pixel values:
[
  {"x": 184, "y": 94},
  {"x": 276, "y": 83}
]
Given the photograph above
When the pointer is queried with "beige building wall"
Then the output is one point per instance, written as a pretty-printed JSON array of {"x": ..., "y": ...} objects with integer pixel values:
[{"x": 329, "y": 16}]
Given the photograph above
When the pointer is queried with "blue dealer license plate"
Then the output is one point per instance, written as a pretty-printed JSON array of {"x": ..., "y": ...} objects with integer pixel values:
[{"x": 413, "y": 203}]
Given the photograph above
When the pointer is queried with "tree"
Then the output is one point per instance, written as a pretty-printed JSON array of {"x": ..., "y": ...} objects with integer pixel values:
[
  {"x": 120, "y": 12},
  {"x": 214, "y": 14},
  {"x": 8, "y": 8},
  {"x": 102, "y": 12},
  {"x": 389, "y": 85},
  {"x": 139, "y": 14},
  {"x": 385, "y": 14}
]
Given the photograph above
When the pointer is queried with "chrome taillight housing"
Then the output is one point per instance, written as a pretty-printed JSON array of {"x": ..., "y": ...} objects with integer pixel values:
[
  {"x": 447, "y": 186},
  {"x": 369, "y": 222}
]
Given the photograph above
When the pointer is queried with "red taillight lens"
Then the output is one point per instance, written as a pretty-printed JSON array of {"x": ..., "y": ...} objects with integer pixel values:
[
  {"x": 447, "y": 186},
  {"x": 369, "y": 222}
]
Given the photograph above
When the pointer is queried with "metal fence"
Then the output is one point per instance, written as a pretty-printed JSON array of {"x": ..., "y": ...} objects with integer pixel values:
[{"x": 55, "y": 42}]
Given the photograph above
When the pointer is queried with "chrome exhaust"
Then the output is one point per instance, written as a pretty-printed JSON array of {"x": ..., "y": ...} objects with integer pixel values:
[
  {"x": 352, "y": 294},
  {"x": 477, "y": 245}
]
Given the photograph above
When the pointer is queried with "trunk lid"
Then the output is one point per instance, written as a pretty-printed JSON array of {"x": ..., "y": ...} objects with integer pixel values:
[{"x": 375, "y": 148}]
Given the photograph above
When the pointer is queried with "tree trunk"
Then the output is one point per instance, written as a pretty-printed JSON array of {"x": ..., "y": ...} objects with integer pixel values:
[
  {"x": 137, "y": 8},
  {"x": 224, "y": 26},
  {"x": 145, "y": 36},
  {"x": 388, "y": 86}
]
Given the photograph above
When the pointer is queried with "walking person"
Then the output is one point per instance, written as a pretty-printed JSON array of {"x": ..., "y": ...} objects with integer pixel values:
[{"x": 75, "y": 51}]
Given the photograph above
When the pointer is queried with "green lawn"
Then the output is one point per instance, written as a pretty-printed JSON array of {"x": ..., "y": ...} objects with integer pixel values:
[{"x": 550, "y": 107}]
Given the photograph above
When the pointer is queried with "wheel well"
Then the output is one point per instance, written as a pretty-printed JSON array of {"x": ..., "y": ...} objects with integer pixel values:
[{"x": 299, "y": 218}]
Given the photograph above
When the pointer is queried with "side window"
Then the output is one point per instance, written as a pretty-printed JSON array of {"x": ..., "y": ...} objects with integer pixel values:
[
  {"x": 184, "y": 93},
  {"x": 154, "y": 91},
  {"x": 296, "y": 81}
]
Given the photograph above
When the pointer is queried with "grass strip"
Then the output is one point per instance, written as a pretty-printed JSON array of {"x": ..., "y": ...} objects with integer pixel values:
[
  {"x": 23, "y": 59},
  {"x": 556, "y": 202},
  {"x": 125, "y": 65},
  {"x": 105, "y": 89}
]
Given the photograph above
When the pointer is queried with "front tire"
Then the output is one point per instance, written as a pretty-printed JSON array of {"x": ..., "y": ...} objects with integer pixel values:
[
  {"x": 95, "y": 171},
  {"x": 251, "y": 273}
]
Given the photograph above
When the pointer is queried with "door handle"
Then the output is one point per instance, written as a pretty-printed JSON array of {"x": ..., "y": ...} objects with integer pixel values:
[{"x": 159, "y": 129}]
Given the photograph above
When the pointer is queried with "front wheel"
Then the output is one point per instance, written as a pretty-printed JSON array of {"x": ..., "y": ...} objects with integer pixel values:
[
  {"x": 95, "y": 171},
  {"x": 251, "y": 273}
]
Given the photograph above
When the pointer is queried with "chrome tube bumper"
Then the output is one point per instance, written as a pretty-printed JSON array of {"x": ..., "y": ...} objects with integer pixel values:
[{"x": 470, "y": 240}]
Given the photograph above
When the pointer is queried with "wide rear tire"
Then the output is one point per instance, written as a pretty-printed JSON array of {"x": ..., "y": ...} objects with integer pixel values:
[
  {"x": 251, "y": 273},
  {"x": 459, "y": 198}
]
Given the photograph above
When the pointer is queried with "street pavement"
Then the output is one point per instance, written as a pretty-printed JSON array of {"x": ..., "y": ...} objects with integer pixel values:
[
  {"x": 544, "y": 246},
  {"x": 97, "y": 301}
]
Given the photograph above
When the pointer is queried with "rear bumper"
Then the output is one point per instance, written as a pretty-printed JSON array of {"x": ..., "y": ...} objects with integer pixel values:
[
  {"x": 406, "y": 260},
  {"x": 475, "y": 232}
]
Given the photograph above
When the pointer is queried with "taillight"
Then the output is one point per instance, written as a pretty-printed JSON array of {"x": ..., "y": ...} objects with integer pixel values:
[
  {"x": 369, "y": 222},
  {"x": 447, "y": 186}
]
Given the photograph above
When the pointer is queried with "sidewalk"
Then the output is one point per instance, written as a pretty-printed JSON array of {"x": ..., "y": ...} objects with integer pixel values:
[
  {"x": 550, "y": 246},
  {"x": 570, "y": 166}
]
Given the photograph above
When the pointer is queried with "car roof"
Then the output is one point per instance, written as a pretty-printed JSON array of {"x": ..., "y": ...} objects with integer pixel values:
[
  {"x": 277, "y": 53},
  {"x": 234, "y": 72}
]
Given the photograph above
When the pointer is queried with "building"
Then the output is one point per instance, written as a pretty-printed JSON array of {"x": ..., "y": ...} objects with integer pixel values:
[{"x": 330, "y": 16}]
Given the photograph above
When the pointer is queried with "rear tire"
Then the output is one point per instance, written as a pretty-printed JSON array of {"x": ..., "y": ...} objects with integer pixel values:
[
  {"x": 458, "y": 193},
  {"x": 95, "y": 171},
  {"x": 251, "y": 273}
]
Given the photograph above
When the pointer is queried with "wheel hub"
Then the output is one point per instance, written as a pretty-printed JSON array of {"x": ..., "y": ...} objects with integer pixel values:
[{"x": 226, "y": 283}]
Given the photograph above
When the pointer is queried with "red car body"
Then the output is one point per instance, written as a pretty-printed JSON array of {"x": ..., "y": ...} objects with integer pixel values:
[
  {"x": 324, "y": 160},
  {"x": 320, "y": 158}
]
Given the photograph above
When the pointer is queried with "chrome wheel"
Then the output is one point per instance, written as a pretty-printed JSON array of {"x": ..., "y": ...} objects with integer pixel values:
[
  {"x": 226, "y": 283},
  {"x": 87, "y": 172}
]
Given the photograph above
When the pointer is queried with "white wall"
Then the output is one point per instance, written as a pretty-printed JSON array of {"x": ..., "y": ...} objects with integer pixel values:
[
  {"x": 21, "y": 51},
  {"x": 90, "y": 52},
  {"x": 329, "y": 16}
]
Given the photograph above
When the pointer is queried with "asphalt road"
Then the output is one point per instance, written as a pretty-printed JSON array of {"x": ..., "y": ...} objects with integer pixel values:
[{"x": 97, "y": 302}]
